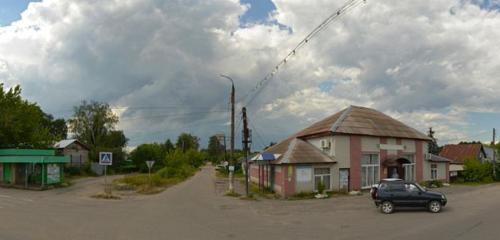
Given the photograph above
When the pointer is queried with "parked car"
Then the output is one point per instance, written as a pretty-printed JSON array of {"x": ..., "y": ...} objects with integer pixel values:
[{"x": 392, "y": 193}]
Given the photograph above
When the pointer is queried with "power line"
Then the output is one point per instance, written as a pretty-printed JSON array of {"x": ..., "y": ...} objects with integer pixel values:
[{"x": 351, "y": 4}]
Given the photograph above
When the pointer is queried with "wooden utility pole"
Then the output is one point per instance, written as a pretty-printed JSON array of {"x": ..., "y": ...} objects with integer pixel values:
[
  {"x": 494, "y": 155},
  {"x": 246, "y": 134}
]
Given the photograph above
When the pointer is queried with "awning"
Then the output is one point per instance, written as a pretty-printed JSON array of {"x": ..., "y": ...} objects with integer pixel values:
[{"x": 265, "y": 156}]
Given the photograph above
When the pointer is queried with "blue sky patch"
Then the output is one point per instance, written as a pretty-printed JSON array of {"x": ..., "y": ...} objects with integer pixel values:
[{"x": 10, "y": 10}]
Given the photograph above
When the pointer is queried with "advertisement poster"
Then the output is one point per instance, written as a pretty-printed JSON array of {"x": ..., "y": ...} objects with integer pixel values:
[{"x": 53, "y": 173}]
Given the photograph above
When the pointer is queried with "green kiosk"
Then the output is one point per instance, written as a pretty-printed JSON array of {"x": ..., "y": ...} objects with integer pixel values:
[{"x": 31, "y": 168}]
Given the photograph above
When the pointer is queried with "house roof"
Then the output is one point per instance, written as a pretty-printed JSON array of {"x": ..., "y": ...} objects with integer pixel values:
[
  {"x": 67, "y": 142},
  {"x": 362, "y": 121},
  {"x": 459, "y": 152},
  {"x": 300, "y": 151},
  {"x": 435, "y": 158}
]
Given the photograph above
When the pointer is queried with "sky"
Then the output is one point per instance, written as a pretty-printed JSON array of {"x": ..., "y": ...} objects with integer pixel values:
[{"x": 428, "y": 63}]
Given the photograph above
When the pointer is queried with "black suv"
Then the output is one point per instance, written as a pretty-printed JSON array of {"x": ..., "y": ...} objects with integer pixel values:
[{"x": 391, "y": 193}]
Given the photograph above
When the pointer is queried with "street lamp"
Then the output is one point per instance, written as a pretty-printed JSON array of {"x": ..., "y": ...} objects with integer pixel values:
[{"x": 231, "y": 160}]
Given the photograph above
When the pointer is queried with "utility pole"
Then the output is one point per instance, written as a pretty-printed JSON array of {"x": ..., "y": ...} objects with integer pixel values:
[
  {"x": 231, "y": 160},
  {"x": 494, "y": 155},
  {"x": 246, "y": 134}
]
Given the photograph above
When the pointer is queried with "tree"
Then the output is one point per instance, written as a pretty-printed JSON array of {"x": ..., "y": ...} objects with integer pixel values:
[
  {"x": 433, "y": 146},
  {"x": 22, "y": 124},
  {"x": 215, "y": 148},
  {"x": 186, "y": 141},
  {"x": 146, "y": 152},
  {"x": 169, "y": 146},
  {"x": 94, "y": 124},
  {"x": 57, "y": 127}
]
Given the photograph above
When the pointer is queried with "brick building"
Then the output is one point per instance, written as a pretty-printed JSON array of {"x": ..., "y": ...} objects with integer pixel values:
[{"x": 350, "y": 150}]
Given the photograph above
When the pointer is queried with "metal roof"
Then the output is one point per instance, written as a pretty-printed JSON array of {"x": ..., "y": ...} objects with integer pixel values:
[
  {"x": 459, "y": 152},
  {"x": 67, "y": 142},
  {"x": 300, "y": 151}
]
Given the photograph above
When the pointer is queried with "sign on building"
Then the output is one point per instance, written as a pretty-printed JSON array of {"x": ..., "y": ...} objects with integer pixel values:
[
  {"x": 53, "y": 174},
  {"x": 106, "y": 158}
]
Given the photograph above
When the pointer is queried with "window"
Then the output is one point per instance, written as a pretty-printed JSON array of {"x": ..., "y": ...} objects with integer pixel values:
[
  {"x": 411, "y": 188},
  {"x": 434, "y": 171},
  {"x": 322, "y": 175},
  {"x": 409, "y": 168},
  {"x": 370, "y": 170}
]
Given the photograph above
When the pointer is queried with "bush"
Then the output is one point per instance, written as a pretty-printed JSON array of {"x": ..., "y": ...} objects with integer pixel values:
[
  {"x": 321, "y": 187},
  {"x": 475, "y": 171},
  {"x": 432, "y": 184}
]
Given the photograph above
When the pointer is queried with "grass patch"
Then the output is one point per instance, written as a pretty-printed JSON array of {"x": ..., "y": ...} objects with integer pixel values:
[
  {"x": 106, "y": 196},
  {"x": 222, "y": 173},
  {"x": 232, "y": 194},
  {"x": 141, "y": 183}
]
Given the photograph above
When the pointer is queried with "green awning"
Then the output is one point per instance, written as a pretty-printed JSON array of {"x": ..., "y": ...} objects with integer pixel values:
[{"x": 34, "y": 159}]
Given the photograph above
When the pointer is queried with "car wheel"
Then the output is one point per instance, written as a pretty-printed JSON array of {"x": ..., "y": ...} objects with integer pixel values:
[
  {"x": 434, "y": 206},
  {"x": 387, "y": 207}
]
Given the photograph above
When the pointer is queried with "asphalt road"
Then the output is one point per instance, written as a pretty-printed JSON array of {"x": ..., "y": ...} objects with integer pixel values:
[{"x": 193, "y": 210}]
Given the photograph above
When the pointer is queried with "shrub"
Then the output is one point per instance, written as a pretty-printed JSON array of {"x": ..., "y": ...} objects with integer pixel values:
[
  {"x": 476, "y": 171},
  {"x": 432, "y": 184},
  {"x": 321, "y": 187}
]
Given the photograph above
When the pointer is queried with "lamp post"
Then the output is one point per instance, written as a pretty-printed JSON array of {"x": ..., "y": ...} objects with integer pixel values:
[{"x": 231, "y": 160}]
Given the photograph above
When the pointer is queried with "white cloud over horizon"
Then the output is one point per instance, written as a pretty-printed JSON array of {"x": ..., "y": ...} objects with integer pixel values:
[{"x": 426, "y": 63}]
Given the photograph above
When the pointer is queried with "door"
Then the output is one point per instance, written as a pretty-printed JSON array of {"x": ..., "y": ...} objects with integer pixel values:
[
  {"x": 344, "y": 180},
  {"x": 271, "y": 181}
]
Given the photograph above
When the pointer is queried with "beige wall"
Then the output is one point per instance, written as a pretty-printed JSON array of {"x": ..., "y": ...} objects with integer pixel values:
[
  {"x": 370, "y": 144},
  {"x": 392, "y": 141},
  {"x": 317, "y": 143},
  {"x": 441, "y": 170},
  {"x": 409, "y": 146},
  {"x": 342, "y": 156}
]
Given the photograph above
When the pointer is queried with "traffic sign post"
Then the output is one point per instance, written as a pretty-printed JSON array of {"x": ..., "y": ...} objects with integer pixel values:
[
  {"x": 150, "y": 165},
  {"x": 106, "y": 159}
]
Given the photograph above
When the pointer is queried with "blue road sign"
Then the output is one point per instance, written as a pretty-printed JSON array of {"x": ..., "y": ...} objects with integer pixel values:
[{"x": 105, "y": 158}]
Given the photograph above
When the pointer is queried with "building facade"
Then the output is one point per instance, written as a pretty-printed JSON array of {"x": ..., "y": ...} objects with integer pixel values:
[
  {"x": 31, "y": 168},
  {"x": 351, "y": 150},
  {"x": 77, "y": 152}
]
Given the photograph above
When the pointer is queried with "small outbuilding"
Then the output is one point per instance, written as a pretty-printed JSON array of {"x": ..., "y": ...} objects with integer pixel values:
[
  {"x": 31, "y": 168},
  {"x": 77, "y": 152}
]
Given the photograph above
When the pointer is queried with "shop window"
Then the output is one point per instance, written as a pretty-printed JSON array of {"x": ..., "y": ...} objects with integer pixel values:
[
  {"x": 322, "y": 175},
  {"x": 370, "y": 170},
  {"x": 434, "y": 171}
]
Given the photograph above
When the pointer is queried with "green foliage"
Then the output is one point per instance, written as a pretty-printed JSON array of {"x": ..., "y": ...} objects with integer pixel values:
[
  {"x": 215, "y": 150},
  {"x": 186, "y": 142},
  {"x": 94, "y": 123},
  {"x": 432, "y": 184},
  {"x": 181, "y": 164},
  {"x": 146, "y": 152},
  {"x": 475, "y": 171},
  {"x": 321, "y": 187}
]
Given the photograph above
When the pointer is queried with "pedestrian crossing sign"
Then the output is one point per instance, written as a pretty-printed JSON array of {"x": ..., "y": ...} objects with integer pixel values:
[{"x": 105, "y": 158}]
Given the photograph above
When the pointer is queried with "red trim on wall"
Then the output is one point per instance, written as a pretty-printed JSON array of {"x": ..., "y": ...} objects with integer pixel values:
[
  {"x": 419, "y": 160},
  {"x": 383, "y": 156},
  {"x": 355, "y": 171}
]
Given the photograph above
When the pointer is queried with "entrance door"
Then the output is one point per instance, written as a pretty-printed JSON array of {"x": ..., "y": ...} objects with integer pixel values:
[
  {"x": 395, "y": 172},
  {"x": 271, "y": 181},
  {"x": 344, "y": 179}
]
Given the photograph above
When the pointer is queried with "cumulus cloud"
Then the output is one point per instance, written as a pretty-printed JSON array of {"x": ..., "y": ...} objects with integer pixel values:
[{"x": 158, "y": 62}]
